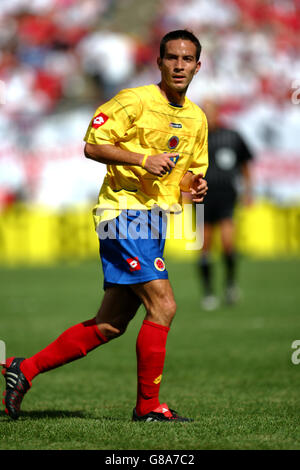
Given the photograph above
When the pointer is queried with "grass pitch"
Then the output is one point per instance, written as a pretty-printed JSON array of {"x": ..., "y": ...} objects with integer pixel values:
[{"x": 230, "y": 369}]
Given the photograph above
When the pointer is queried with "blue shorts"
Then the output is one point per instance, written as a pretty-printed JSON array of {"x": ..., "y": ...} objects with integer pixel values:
[{"x": 131, "y": 247}]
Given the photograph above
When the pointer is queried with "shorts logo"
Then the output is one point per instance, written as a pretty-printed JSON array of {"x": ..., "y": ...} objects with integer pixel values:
[
  {"x": 173, "y": 142},
  {"x": 159, "y": 264},
  {"x": 99, "y": 120},
  {"x": 134, "y": 264}
]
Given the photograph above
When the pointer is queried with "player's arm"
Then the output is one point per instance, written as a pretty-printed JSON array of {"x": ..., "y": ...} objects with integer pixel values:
[
  {"x": 193, "y": 181},
  {"x": 245, "y": 157},
  {"x": 112, "y": 155},
  {"x": 108, "y": 154},
  {"x": 196, "y": 185},
  {"x": 108, "y": 127}
]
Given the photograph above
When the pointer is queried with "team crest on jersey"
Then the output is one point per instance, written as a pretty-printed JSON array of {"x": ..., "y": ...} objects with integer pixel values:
[
  {"x": 99, "y": 120},
  {"x": 159, "y": 264},
  {"x": 134, "y": 264},
  {"x": 173, "y": 142}
]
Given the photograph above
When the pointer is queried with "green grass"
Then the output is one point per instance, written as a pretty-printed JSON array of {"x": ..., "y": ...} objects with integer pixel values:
[{"x": 230, "y": 369}]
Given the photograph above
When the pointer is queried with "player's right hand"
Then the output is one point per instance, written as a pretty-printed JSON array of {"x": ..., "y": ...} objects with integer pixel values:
[{"x": 160, "y": 164}]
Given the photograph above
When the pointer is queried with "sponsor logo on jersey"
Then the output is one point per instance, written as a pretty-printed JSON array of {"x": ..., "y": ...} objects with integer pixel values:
[
  {"x": 173, "y": 142},
  {"x": 134, "y": 264},
  {"x": 175, "y": 125},
  {"x": 159, "y": 264},
  {"x": 99, "y": 120}
]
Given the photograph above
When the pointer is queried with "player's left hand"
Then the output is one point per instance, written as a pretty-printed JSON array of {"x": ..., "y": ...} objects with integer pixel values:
[{"x": 198, "y": 188}]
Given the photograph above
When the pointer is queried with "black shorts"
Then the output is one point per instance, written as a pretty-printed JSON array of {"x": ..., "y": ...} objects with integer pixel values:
[{"x": 219, "y": 206}]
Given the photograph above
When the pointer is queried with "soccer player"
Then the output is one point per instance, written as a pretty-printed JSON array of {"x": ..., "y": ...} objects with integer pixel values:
[
  {"x": 153, "y": 140},
  {"x": 229, "y": 168}
]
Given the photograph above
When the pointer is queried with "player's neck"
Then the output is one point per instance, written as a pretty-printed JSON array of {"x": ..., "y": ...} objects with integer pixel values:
[
  {"x": 214, "y": 125},
  {"x": 172, "y": 96}
]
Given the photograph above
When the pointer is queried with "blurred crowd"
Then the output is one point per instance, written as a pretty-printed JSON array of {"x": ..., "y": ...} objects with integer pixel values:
[
  {"x": 50, "y": 48},
  {"x": 53, "y": 50},
  {"x": 59, "y": 56},
  {"x": 251, "y": 48}
]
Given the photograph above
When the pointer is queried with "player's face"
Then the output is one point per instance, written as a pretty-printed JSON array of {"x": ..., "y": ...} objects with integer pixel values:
[{"x": 179, "y": 64}]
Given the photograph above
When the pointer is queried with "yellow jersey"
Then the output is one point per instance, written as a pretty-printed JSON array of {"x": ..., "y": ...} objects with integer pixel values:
[{"x": 141, "y": 120}]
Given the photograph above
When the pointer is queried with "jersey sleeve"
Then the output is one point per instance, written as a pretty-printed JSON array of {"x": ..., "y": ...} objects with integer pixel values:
[
  {"x": 244, "y": 153},
  {"x": 114, "y": 118},
  {"x": 200, "y": 161}
]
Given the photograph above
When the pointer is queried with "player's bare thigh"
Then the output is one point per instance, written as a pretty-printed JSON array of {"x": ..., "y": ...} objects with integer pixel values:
[
  {"x": 118, "y": 307},
  {"x": 208, "y": 236},
  {"x": 227, "y": 230},
  {"x": 158, "y": 299}
]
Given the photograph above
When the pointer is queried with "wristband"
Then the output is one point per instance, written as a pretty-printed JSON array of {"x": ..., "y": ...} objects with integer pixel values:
[{"x": 144, "y": 161}]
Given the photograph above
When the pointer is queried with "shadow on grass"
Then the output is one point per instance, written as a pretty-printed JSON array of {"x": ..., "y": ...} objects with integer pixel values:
[
  {"x": 46, "y": 414},
  {"x": 56, "y": 414}
]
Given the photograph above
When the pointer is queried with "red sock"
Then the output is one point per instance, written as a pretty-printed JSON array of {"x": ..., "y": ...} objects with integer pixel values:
[
  {"x": 74, "y": 343},
  {"x": 151, "y": 351}
]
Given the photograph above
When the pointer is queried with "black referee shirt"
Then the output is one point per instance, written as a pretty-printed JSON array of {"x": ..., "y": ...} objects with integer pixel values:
[{"x": 227, "y": 151}]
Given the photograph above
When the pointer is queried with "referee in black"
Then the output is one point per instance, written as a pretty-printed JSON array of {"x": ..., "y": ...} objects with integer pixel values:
[{"x": 227, "y": 174}]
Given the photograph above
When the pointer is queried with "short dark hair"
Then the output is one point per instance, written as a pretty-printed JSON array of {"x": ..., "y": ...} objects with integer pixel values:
[{"x": 180, "y": 34}]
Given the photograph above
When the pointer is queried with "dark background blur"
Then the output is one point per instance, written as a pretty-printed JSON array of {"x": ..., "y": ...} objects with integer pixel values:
[{"x": 59, "y": 59}]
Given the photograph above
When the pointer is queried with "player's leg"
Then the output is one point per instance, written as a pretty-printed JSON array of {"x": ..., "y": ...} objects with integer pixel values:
[
  {"x": 117, "y": 309},
  {"x": 158, "y": 299},
  {"x": 227, "y": 229},
  {"x": 205, "y": 264},
  {"x": 209, "y": 300}
]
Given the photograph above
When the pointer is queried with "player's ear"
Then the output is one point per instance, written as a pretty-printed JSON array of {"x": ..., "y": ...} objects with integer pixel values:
[
  {"x": 159, "y": 62},
  {"x": 198, "y": 66}
]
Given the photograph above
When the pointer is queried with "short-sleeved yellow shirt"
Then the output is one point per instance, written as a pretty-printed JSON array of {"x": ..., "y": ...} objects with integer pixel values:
[{"x": 141, "y": 120}]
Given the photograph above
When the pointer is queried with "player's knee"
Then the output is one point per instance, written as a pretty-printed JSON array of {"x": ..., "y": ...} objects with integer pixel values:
[
  {"x": 164, "y": 312},
  {"x": 109, "y": 331},
  {"x": 171, "y": 309}
]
